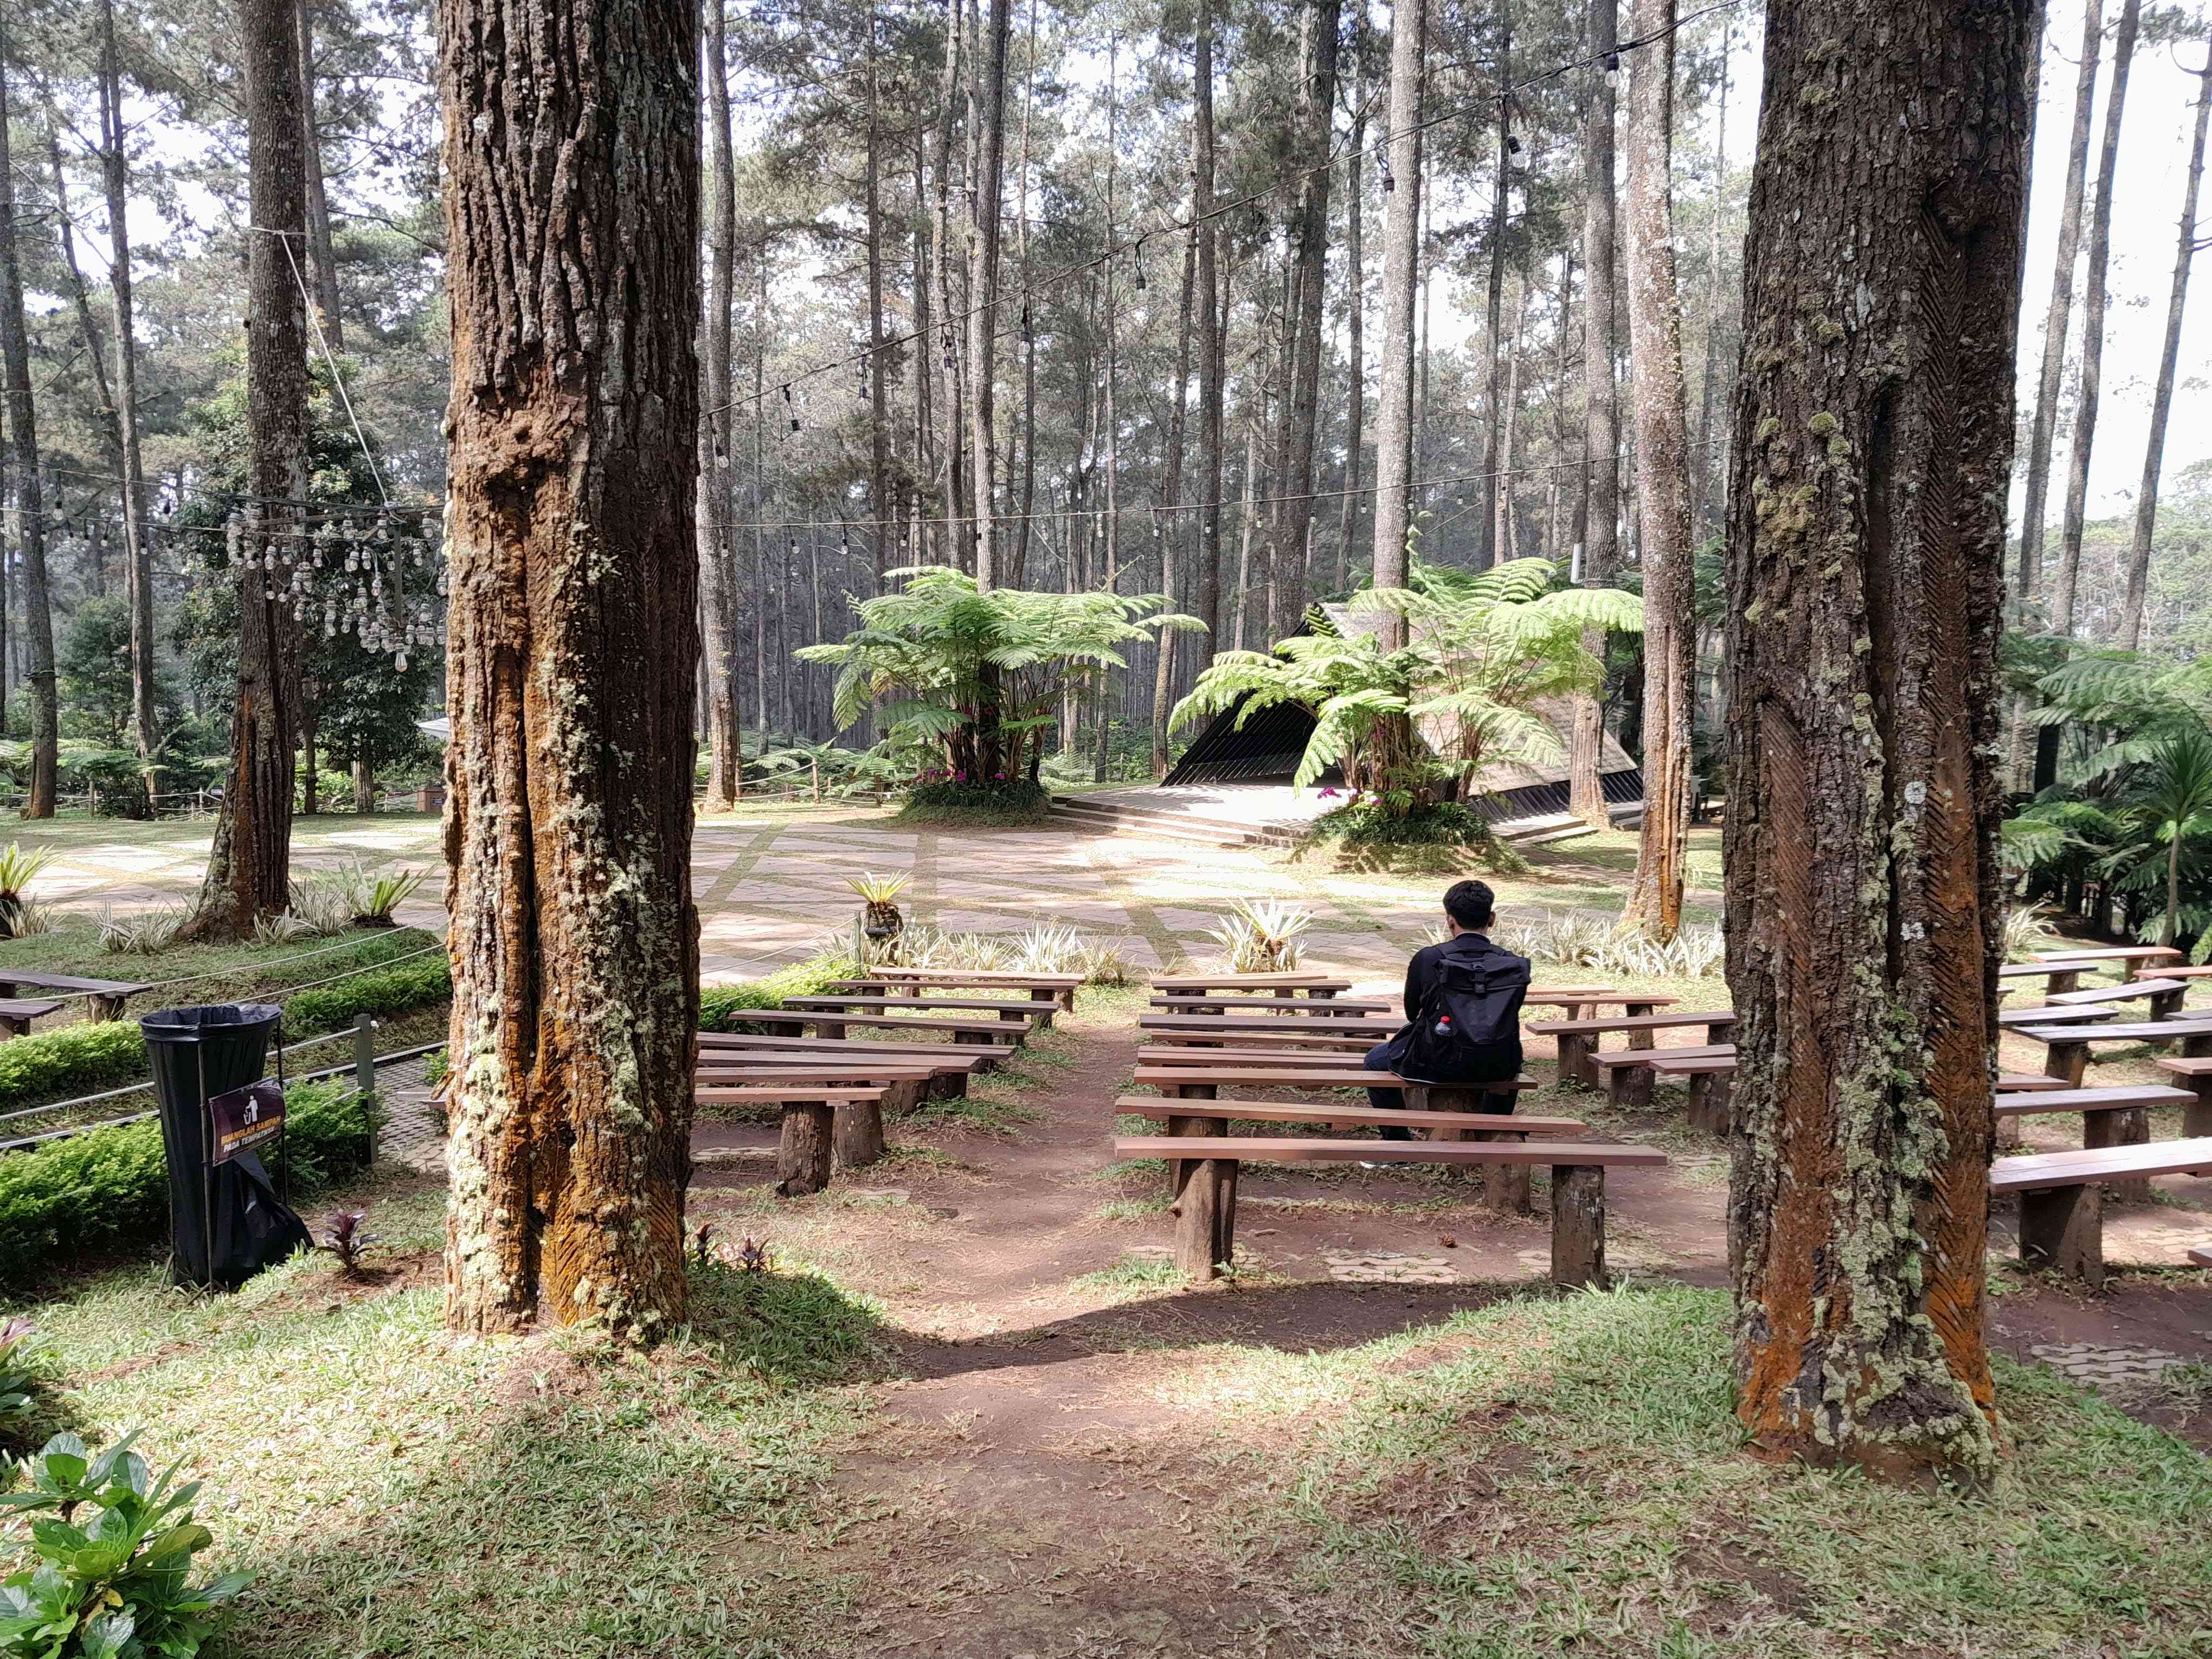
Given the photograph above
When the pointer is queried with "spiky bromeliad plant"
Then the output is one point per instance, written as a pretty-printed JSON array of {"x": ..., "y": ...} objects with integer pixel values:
[
  {"x": 1482, "y": 650},
  {"x": 883, "y": 920},
  {"x": 975, "y": 675},
  {"x": 18, "y": 870}
]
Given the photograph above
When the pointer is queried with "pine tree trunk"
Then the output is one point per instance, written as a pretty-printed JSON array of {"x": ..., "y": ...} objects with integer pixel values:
[
  {"x": 1873, "y": 440},
  {"x": 985, "y": 200},
  {"x": 2131, "y": 611},
  {"x": 1601, "y": 400},
  {"x": 881, "y": 507},
  {"x": 1018, "y": 575},
  {"x": 724, "y": 606},
  {"x": 95, "y": 347},
  {"x": 2093, "y": 330},
  {"x": 1168, "y": 520},
  {"x": 1212, "y": 347},
  {"x": 2057, "y": 318},
  {"x": 322, "y": 257},
  {"x": 23, "y": 446},
  {"x": 572, "y": 646},
  {"x": 1708, "y": 474},
  {"x": 138, "y": 579},
  {"x": 1401, "y": 219},
  {"x": 1488, "y": 533},
  {"x": 1663, "y": 483},
  {"x": 1313, "y": 118},
  {"x": 249, "y": 869},
  {"x": 1355, "y": 310}
]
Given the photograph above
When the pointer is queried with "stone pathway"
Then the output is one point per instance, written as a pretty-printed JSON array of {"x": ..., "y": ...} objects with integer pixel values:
[
  {"x": 771, "y": 889},
  {"x": 2106, "y": 1368}
]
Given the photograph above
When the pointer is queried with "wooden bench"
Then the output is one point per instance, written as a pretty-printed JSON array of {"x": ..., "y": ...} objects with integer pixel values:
[
  {"x": 2057, "y": 976},
  {"x": 2163, "y": 994},
  {"x": 1037, "y": 1013},
  {"x": 2194, "y": 1074},
  {"x": 1708, "y": 1076},
  {"x": 1506, "y": 1186},
  {"x": 950, "y": 1067},
  {"x": 1611, "y": 1065},
  {"x": 1041, "y": 987},
  {"x": 1315, "y": 1036},
  {"x": 1187, "y": 1002},
  {"x": 2172, "y": 970},
  {"x": 1320, "y": 986},
  {"x": 1205, "y": 1199},
  {"x": 816, "y": 1121},
  {"x": 2061, "y": 1207},
  {"x": 1579, "y": 1039},
  {"x": 16, "y": 1013},
  {"x": 104, "y": 997},
  {"x": 980, "y": 1033},
  {"x": 902, "y": 1085},
  {"x": 2047, "y": 1013},
  {"x": 2201, "y": 1256},
  {"x": 1332, "y": 1060},
  {"x": 2069, "y": 1047},
  {"x": 2110, "y": 1117},
  {"x": 1205, "y": 1082},
  {"x": 1201, "y": 1028},
  {"x": 2122, "y": 957},
  {"x": 1580, "y": 1003}
]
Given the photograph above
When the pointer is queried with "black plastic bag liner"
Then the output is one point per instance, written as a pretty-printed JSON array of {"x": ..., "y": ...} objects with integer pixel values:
[{"x": 226, "y": 1220}]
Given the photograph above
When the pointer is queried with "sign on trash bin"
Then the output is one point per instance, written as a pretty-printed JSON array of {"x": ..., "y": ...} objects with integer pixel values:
[{"x": 244, "y": 1118}]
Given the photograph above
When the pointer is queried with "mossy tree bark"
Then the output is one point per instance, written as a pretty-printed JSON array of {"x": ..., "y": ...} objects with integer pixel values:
[
  {"x": 249, "y": 871},
  {"x": 1660, "y": 404},
  {"x": 572, "y": 210},
  {"x": 1873, "y": 441}
]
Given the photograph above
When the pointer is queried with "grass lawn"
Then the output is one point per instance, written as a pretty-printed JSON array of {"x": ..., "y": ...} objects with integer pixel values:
[{"x": 1537, "y": 1476}]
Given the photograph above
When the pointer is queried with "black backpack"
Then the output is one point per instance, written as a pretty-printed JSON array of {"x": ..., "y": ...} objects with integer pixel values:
[{"x": 1468, "y": 1029}]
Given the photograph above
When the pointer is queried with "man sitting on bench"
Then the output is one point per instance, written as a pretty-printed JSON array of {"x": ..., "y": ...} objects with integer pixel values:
[{"x": 1463, "y": 1001}]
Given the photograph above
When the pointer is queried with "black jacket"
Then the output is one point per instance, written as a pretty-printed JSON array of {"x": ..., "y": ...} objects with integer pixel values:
[{"x": 1421, "y": 974}]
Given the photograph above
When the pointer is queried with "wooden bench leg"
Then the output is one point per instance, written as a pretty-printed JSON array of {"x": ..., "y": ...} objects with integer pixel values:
[
  {"x": 105, "y": 1008},
  {"x": 2070, "y": 1060},
  {"x": 2196, "y": 1048},
  {"x": 1578, "y": 1224},
  {"x": 802, "y": 1156},
  {"x": 2058, "y": 984},
  {"x": 1632, "y": 1084},
  {"x": 831, "y": 1028},
  {"x": 1575, "y": 1049},
  {"x": 858, "y": 1132},
  {"x": 2063, "y": 1228},
  {"x": 1205, "y": 1210},
  {"x": 1506, "y": 1188},
  {"x": 2197, "y": 1116},
  {"x": 1708, "y": 1102},
  {"x": 2164, "y": 1004},
  {"x": 2123, "y": 1128},
  {"x": 2008, "y": 1134},
  {"x": 1191, "y": 1126},
  {"x": 15, "y": 1027}
]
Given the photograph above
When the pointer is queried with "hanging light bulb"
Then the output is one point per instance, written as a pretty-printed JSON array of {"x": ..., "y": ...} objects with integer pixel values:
[
  {"x": 787, "y": 404},
  {"x": 1389, "y": 184},
  {"x": 1138, "y": 259},
  {"x": 1026, "y": 335},
  {"x": 1613, "y": 69}
]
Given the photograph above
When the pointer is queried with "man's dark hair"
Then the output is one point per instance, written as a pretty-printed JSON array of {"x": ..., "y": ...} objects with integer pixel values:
[{"x": 1470, "y": 903}]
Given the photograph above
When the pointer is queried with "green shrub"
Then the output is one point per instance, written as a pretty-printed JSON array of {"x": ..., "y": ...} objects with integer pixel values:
[
  {"x": 1364, "y": 834},
  {"x": 1017, "y": 801},
  {"x": 78, "y": 1059},
  {"x": 71, "y": 1060},
  {"x": 394, "y": 990},
  {"x": 108, "y": 1188},
  {"x": 113, "y": 1549},
  {"x": 721, "y": 1007}
]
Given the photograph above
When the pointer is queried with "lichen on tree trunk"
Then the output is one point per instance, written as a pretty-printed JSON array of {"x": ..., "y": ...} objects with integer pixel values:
[
  {"x": 572, "y": 203},
  {"x": 1873, "y": 441}
]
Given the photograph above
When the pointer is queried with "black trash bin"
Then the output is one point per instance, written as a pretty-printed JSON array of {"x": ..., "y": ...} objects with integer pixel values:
[{"x": 225, "y": 1219}]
